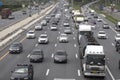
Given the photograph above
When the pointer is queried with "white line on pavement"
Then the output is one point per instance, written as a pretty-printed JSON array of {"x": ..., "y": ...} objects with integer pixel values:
[
  {"x": 74, "y": 38},
  {"x": 110, "y": 73},
  {"x": 75, "y": 45},
  {"x": 113, "y": 29},
  {"x": 76, "y": 55},
  {"x": 59, "y": 32},
  {"x": 55, "y": 45},
  {"x": 79, "y": 72},
  {"x": 36, "y": 45},
  {"x": 28, "y": 56},
  {"x": 113, "y": 44},
  {"x": 52, "y": 55},
  {"x": 48, "y": 70}
]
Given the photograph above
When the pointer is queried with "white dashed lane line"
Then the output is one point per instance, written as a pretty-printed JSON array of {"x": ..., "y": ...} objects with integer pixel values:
[
  {"x": 47, "y": 72},
  {"x": 28, "y": 56},
  {"x": 52, "y": 55},
  {"x": 79, "y": 72},
  {"x": 76, "y": 55},
  {"x": 113, "y": 44},
  {"x": 36, "y": 45},
  {"x": 75, "y": 45},
  {"x": 55, "y": 45}
]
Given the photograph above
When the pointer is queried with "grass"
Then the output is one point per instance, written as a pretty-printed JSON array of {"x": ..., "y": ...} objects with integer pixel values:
[{"x": 109, "y": 17}]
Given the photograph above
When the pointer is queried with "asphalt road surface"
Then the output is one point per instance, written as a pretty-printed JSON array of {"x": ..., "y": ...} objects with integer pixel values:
[
  {"x": 48, "y": 70},
  {"x": 4, "y": 23}
]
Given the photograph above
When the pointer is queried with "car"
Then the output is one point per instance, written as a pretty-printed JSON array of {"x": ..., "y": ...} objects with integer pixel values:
[
  {"x": 53, "y": 27},
  {"x": 117, "y": 45},
  {"x": 11, "y": 17},
  {"x": 66, "y": 24},
  {"x": 36, "y": 55},
  {"x": 117, "y": 37},
  {"x": 102, "y": 35},
  {"x": 67, "y": 30},
  {"x": 63, "y": 38},
  {"x": 38, "y": 27},
  {"x": 22, "y": 72},
  {"x": 106, "y": 26},
  {"x": 60, "y": 56},
  {"x": 55, "y": 22},
  {"x": 30, "y": 34},
  {"x": 16, "y": 47},
  {"x": 99, "y": 19},
  {"x": 24, "y": 12},
  {"x": 43, "y": 38},
  {"x": 43, "y": 23},
  {"x": 48, "y": 18}
]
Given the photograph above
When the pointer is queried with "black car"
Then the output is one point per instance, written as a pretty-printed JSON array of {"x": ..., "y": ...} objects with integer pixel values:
[
  {"x": 36, "y": 56},
  {"x": 117, "y": 45},
  {"x": 60, "y": 56},
  {"x": 16, "y": 47},
  {"x": 22, "y": 72}
]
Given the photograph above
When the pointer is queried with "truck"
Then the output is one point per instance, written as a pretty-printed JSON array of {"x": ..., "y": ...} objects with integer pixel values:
[
  {"x": 5, "y": 13},
  {"x": 117, "y": 27},
  {"x": 92, "y": 55},
  {"x": 82, "y": 30}
]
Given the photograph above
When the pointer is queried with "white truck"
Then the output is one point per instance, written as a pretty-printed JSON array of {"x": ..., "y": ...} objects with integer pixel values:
[
  {"x": 93, "y": 62},
  {"x": 91, "y": 54},
  {"x": 83, "y": 29},
  {"x": 117, "y": 27}
]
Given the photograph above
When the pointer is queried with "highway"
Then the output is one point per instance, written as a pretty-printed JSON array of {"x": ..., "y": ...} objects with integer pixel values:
[
  {"x": 48, "y": 70},
  {"x": 4, "y": 23}
]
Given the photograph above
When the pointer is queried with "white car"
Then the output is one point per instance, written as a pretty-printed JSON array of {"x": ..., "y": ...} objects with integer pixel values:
[
  {"x": 43, "y": 22},
  {"x": 99, "y": 19},
  {"x": 117, "y": 37},
  {"x": 106, "y": 26},
  {"x": 63, "y": 38},
  {"x": 54, "y": 27},
  {"x": 30, "y": 34},
  {"x": 66, "y": 24},
  {"x": 102, "y": 35},
  {"x": 38, "y": 27},
  {"x": 43, "y": 38}
]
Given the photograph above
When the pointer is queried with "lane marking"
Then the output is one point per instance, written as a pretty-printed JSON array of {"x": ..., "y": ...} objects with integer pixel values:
[
  {"x": 59, "y": 32},
  {"x": 52, "y": 55},
  {"x": 1, "y": 58},
  {"x": 48, "y": 70},
  {"x": 74, "y": 38},
  {"x": 79, "y": 73},
  {"x": 75, "y": 45},
  {"x": 28, "y": 56},
  {"x": 36, "y": 45},
  {"x": 76, "y": 55},
  {"x": 55, "y": 45},
  {"x": 113, "y": 44},
  {"x": 23, "y": 39},
  {"x": 110, "y": 73},
  {"x": 113, "y": 30}
]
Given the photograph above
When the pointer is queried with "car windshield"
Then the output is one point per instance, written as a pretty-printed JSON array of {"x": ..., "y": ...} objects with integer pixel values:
[
  {"x": 101, "y": 32},
  {"x": 43, "y": 36},
  {"x": 60, "y": 53},
  {"x": 95, "y": 59},
  {"x": 14, "y": 45},
  {"x": 21, "y": 70},
  {"x": 30, "y": 32},
  {"x": 37, "y": 52}
]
